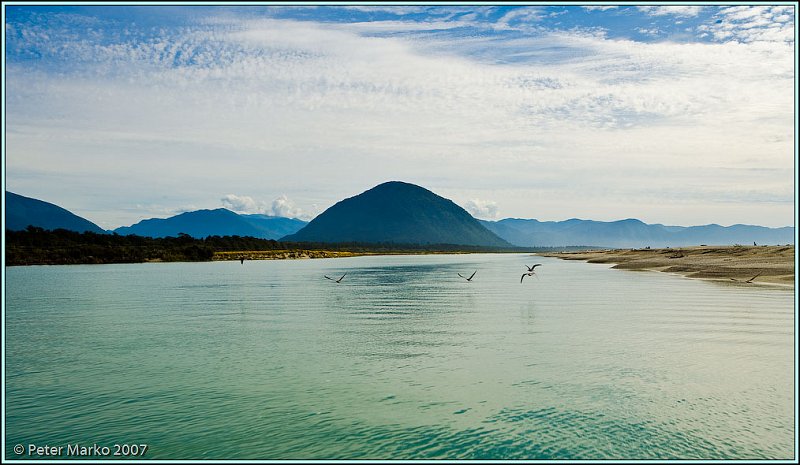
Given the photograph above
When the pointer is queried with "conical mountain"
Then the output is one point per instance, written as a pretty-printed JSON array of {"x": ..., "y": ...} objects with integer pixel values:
[
  {"x": 22, "y": 212},
  {"x": 400, "y": 213}
]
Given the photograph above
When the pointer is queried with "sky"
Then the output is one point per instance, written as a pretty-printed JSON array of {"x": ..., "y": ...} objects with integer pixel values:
[{"x": 679, "y": 115}]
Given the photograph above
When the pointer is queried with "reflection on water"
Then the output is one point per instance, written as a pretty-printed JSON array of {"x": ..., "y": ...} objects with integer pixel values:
[{"x": 401, "y": 360}]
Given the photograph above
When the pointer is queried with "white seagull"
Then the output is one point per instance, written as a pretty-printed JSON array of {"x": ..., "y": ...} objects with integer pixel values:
[
  {"x": 337, "y": 280},
  {"x": 470, "y": 278}
]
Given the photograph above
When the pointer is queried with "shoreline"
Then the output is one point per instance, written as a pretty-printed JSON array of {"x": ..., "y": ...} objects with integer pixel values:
[
  {"x": 305, "y": 254},
  {"x": 745, "y": 265},
  {"x": 255, "y": 255},
  {"x": 286, "y": 254}
]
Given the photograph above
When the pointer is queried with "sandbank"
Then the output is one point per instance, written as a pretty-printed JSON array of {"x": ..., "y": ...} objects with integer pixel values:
[{"x": 760, "y": 265}]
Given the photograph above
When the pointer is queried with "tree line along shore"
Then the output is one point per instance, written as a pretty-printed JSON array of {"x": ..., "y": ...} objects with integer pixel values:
[
  {"x": 37, "y": 246},
  {"x": 748, "y": 265}
]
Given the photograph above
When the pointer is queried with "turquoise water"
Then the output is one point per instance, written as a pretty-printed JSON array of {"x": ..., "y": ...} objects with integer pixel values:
[{"x": 401, "y": 360}]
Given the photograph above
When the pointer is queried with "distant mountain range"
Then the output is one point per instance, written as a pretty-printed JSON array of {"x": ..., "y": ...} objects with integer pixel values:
[
  {"x": 401, "y": 213},
  {"x": 219, "y": 222},
  {"x": 23, "y": 211},
  {"x": 631, "y": 233}
]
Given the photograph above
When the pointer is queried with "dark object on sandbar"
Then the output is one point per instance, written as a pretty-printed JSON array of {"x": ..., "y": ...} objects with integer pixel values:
[{"x": 748, "y": 281}]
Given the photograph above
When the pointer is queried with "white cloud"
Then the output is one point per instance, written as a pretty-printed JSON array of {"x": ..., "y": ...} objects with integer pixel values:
[
  {"x": 752, "y": 24},
  {"x": 483, "y": 209},
  {"x": 242, "y": 204},
  {"x": 522, "y": 17},
  {"x": 600, "y": 7},
  {"x": 396, "y": 10},
  {"x": 651, "y": 31},
  {"x": 390, "y": 27},
  {"x": 284, "y": 207},
  {"x": 281, "y": 206},
  {"x": 574, "y": 124},
  {"x": 673, "y": 10}
]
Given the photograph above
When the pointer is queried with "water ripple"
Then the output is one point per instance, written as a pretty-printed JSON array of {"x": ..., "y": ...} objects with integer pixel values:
[{"x": 402, "y": 360}]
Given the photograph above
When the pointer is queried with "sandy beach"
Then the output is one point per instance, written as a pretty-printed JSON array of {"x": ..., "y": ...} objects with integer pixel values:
[{"x": 760, "y": 265}]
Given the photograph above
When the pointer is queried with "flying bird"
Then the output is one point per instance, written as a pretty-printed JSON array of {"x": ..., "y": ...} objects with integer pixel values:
[
  {"x": 337, "y": 280},
  {"x": 470, "y": 278},
  {"x": 530, "y": 272}
]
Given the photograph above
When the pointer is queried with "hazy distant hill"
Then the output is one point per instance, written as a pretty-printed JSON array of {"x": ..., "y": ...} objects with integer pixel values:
[
  {"x": 631, "y": 233},
  {"x": 274, "y": 227},
  {"x": 219, "y": 222},
  {"x": 24, "y": 211},
  {"x": 397, "y": 212}
]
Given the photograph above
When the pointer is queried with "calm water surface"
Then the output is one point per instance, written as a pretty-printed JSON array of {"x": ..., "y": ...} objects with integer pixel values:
[{"x": 402, "y": 360}]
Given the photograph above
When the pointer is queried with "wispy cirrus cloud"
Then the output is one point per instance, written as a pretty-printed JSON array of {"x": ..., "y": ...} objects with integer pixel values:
[
  {"x": 283, "y": 107},
  {"x": 756, "y": 23},
  {"x": 649, "y": 31},
  {"x": 672, "y": 10},
  {"x": 521, "y": 17},
  {"x": 599, "y": 7}
]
